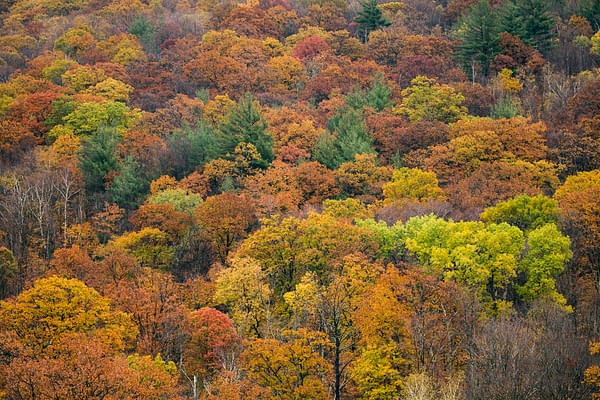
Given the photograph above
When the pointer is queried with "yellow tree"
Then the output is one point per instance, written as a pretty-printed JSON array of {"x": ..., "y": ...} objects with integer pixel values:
[
  {"x": 56, "y": 307},
  {"x": 243, "y": 288},
  {"x": 292, "y": 369},
  {"x": 412, "y": 184}
]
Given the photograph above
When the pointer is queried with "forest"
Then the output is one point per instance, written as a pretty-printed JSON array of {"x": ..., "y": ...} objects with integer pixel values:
[{"x": 300, "y": 199}]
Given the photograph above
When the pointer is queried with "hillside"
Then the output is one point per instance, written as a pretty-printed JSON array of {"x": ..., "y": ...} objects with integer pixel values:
[{"x": 300, "y": 199}]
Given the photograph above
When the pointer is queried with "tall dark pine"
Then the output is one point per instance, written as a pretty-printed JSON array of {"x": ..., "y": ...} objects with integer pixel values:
[
  {"x": 510, "y": 20},
  {"x": 370, "y": 19},
  {"x": 98, "y": 157},
  {"x": 590, "y": 9},
  {"x": 246, "y": 124},
  {"x": 538, "y": 24},
  {"x": 478, "y": 34}
]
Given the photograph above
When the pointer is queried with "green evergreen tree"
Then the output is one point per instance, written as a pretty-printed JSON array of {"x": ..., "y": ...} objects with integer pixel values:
[
  {"x": 510, "y": 20},
  {"x": 98, "y": 157},
  {"x": 506, "y": 107},
  {"x": 479, "y": 37},
  {"x": 350, "y": 138},
  {"x": 590, "y": 9},
  {"x": 356, "y": 99},
  {"x": 146, "y": 33},
  {"x": 326, "y": 151},
  {"x": 246, "y": 124},
  {"x": 538, "y": 24},
  {"x": 370, "y": 19},
  {"x": 380, "y": 95},
  {"x": 192, "y": 147},
  {"x": 130, "y": 186}
]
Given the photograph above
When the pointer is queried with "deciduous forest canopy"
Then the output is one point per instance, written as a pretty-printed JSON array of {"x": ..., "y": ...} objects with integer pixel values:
[{"x": 300, "y": 199}]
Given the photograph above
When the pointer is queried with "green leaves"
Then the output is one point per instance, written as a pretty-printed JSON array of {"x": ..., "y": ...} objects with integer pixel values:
[
  {"x": 130, "y": 186},
  {"x": 478, "y": 34},
  {"x": 350, "y": 138},
  {"x": 87, "y": 118},
  {"x": 492, "y": 259},
  {"x": 526, "y": 212},
  {"x": 246, "y": 124},
  {"x": 548, "y": 252},
  {"x": 370, "y": 18},
  {"x": 98, "y": 157}
]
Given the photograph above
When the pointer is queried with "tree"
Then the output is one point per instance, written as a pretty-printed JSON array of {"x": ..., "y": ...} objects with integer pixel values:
[
  {"x": 377, "y": 375},
  {"x": 180, "y": 199},
  {"x": 290, "y": 247},
  {"x": 412, "y": 183},
  {"x": 537, "y": 25},
  {"x": 274, "y": 191},
  {"x": 349, "y": 138},
  {"x": 243, "y": 288},
  {"x": 526, "y": 212},
  {"x": 592, "y": 374},
  {"x": 130, "y": 186},
  {"x": 112, "y": 89},
  {"x": 153, "y": 300},
  {"x": 510, "y": 19},
  {"x": 88, "y": 117},
  {"x": 15, "y": 141},
  {"x": 427, "y": 100},
  {"x": 225, "y": 219},
  {"x": 98, "y": 157},
  {"x": 84, "y": 367},
  {"x": 478, "y": 34},
  {"x": 370, "y": 19},
  {"x": 56, "y": 307},
  {"x": 579, "y": 209},
  {"x": 9, "y": 270},
  {"x": 590, "y": 9},
  {"x": 362, "y": 177},
  {"x": 145, "y": 32},
  {"x": 379, "y": 95},
  {"x": 246, "y": 124},
  {"x": 548, "y": 251},
  {"x": 292, "y": 369},
  {"x": 490, "y": 258},
  {"x": 192, "y": 147},
  {"x": 214, "y": 345},
  {"x": 149, "y": 246}
]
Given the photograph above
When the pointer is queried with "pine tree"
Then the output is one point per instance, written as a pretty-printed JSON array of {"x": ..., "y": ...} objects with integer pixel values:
[
  {"x": 350, "y": 138},
  {"x": 370, "y": 19},
  {"x": 246, "y": 124},
  {"x": 479, "y": 36},
  {"x": 590, "y": 9},
  {"x": 538, "y": 24},
  {"x": 510, "y": 19},
  {"x": 380, "y": 95},
  {"x": 98, "y": 157},
  {"x": 192, "y": 147},
  {"x": 129, "y": 188},
  {"x": 146, "y": 33}
]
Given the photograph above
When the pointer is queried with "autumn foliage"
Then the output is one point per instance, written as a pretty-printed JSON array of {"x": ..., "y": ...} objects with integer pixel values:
[{"x": 303, "y": 200}]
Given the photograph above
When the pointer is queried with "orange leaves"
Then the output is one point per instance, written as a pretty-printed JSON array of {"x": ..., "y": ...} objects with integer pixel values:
[
  {"x": 15, "y": 140},
  {"x": 214, "y": 342},
  {"x": 291, "y": 369},
  {"x": 225, "y": 219}
]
